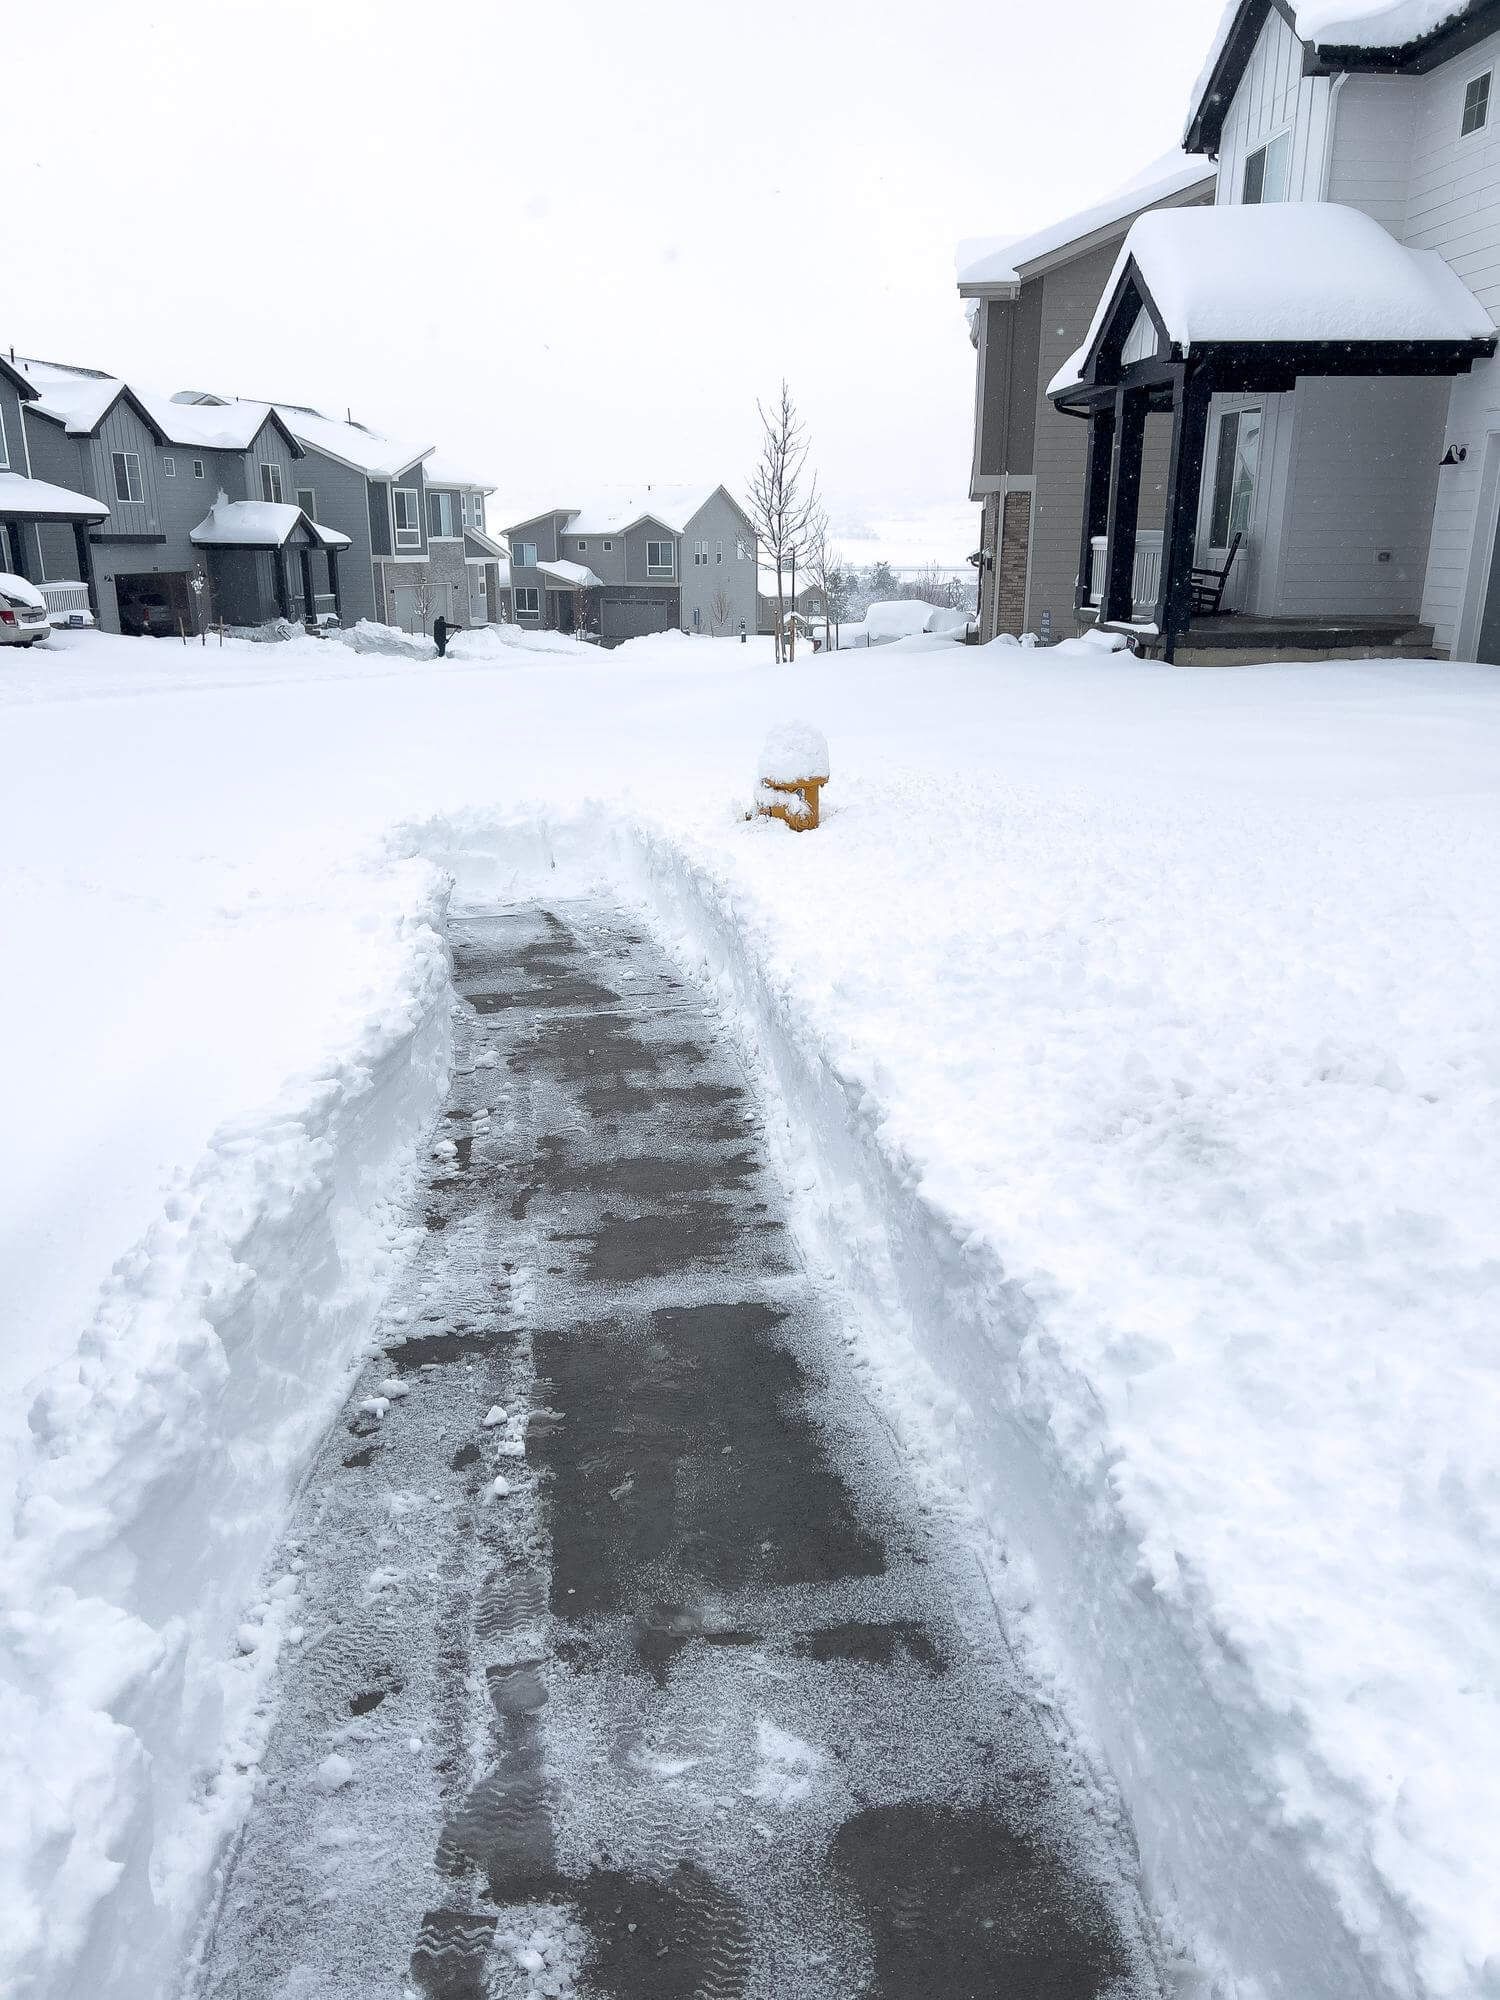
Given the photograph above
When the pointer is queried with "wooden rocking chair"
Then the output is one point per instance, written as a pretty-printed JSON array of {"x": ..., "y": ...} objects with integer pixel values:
[{"x": 1208, "y": 584}]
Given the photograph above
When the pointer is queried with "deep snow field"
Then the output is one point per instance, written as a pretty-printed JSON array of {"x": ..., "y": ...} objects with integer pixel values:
[{"x": 1131, "y": 1038}]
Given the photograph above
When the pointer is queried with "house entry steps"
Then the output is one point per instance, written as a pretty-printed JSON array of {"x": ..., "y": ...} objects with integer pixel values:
[{"x": 626, "y": 1660}]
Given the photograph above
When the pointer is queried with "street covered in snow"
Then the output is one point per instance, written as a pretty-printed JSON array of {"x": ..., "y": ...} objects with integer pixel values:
[{"x": 1124, "y": 1043}]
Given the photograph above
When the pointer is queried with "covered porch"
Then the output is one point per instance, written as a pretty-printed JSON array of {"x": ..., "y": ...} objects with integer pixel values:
[
  {"x": 1220, "y": 314},
  {"x": 28, "y": 507},
  {"x": 569, "y": 587},
  {"x": 265, "y": 560}
]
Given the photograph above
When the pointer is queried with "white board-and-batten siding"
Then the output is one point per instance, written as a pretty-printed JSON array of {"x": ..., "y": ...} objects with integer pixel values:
[{"x": 1274, "y": 96}]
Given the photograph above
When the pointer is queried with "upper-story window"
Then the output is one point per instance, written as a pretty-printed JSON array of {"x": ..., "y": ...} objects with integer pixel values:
[
  {"x": 408, "y": 521},
  {"x": 700, "y": 553},
  {"x": 197, "y": 468},
  {"x": 440, "y": 515},
  {"x": 523, "y": 554},
  {"x": 4, "y": 444},
  {"x": 168, "y": 465},
  {"x": 583, "y": 547},
  {"x": 270, "y": 482},
  {"x": 608, "y": 547},
  {"x": 739, "y": 549},
  {"x": 127, "y": 466},
  {"x": 1476, "y": 104},
  {"x": 307, "y": 500},
  {"x": 1266, "y": 170},
  {"x": 478, "y": 505},
  {"x": 718, "y": 552},
  {"x": 658, "y": 558}
]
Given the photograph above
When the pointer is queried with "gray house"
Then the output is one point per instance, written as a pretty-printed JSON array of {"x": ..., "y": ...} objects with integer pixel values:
[
  {"x": 668, "y": 558},
  {"x": 415, "y": 521},
  {"x": 38, "y": 514},
  {"x": 1029, "y": 303},
  {"x": 189, "y": 491}
]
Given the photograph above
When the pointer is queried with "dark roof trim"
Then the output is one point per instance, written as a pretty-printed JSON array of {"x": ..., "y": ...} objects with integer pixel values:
[
  {"x": 1206, "y": 126},
  {"x": 127, "y": 538},
  {"x": 1415, "y": 58},
  {"x": 23, "y": 384}
]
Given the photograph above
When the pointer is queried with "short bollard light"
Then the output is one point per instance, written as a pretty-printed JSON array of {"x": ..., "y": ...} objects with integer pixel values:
[{"x": 793, "y": 771}]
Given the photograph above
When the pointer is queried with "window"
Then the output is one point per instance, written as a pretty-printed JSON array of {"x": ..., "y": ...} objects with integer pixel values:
[
  {"x": 700, "y": 553},
  {"x": 1234, "y": 476},
  {"x": 440, "y": 515},
  {"x": 697, "y": 620},
  {"x": 168, "y": 466},
  {"x": 739, "y": 549},
  {"x": 479, "y": 511},
  {"x": 583, "y": 548},
  {"x": 1266, "y": 170},
  {"x": 408, "y": 521},
  {"x": 658, "y": 558},
  {"x": 1476, "y": 105},
  {"x": 527, "y": 603},
  {"x": 197, "y": 468},
  {"x": 307, "y": 500},
  {"x": 270, "y": 482},
  {"x": 524, "y": 554},
  {"x": 4, "y": 445},
  {"x": 609, "y": 548},
  {"x": 127, "y": 475},
  {"x": 718, "y": 552}
]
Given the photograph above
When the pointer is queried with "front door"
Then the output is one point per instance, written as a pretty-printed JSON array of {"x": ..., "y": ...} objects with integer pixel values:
[{"x": 1228, "y": 506}]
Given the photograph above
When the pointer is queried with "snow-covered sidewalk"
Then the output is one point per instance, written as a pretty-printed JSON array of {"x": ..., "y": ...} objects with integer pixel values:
[{"x": 1138, "y": 1030}]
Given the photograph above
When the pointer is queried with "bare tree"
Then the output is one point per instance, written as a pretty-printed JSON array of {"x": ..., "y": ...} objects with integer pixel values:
[
  {"x": 779, "y": 507},
  {"x": 824, "y": 566},
  {"x": 419, "y": 580},
  {"x": 719, "y": 608}
]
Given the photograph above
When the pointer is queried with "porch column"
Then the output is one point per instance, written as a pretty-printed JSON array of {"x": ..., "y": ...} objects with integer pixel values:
[
  {"x": 86, "y": 565},
  {"x": 17, "y": 533},
  {"x": 1124, "y": 503},
  {"x": 333, "y": 585},
  {"x": 1095, "y": 499},
  {"x": 283, "y": 583},
  {"x": 309, "y": 608},
  {"x": 1174, "y": 607}
]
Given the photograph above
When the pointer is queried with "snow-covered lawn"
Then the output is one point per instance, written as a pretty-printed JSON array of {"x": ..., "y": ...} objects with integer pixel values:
[{"x": 1135, "y": 1031}]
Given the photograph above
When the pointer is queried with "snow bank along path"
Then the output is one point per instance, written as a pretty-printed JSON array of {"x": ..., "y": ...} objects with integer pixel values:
[{"x": 1137, "y": 1036}]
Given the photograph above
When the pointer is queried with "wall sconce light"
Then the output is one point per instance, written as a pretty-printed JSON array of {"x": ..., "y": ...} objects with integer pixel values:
[{"x": 1454, "y": 455}]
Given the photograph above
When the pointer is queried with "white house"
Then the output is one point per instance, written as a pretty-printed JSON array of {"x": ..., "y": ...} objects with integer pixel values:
[{"x": 1321, "y": 342}]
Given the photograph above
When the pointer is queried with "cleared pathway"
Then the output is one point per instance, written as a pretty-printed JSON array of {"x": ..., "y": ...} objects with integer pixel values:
[{"x": 627, "y": 1665}]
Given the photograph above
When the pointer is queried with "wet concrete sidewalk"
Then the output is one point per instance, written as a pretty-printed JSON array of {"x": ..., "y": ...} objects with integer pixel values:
[{"x": 628, "y": 1666}]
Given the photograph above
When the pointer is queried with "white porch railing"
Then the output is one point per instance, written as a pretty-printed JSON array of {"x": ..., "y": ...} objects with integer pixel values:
[
  {"x": 1145, "y": 578},
  {"x": 64, "y": 600}
]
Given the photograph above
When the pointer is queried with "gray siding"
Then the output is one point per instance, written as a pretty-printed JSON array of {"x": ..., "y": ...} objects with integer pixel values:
[
  {"x": 122, "y": 430},
  {"x": 997, "y": 323},
  {"x": 269, "y": 447},
  {"x": 13, "y": 457},
  {"x": 380, "y": 517},
  {"x": 346, "y": 501},
  {"x": 607, "y": 564},
  {"x": 720, "y": 522},
  {"x": 636, "y": 539},
  {"x": 63, "y": 461}
]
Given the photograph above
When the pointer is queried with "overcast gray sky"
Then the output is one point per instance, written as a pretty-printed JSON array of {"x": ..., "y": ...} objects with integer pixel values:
[{"x": 570, "y": 242}]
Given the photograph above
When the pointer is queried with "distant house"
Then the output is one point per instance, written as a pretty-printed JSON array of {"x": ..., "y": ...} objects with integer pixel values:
[
  {"x": 809, "y": 603},
  {"x": 667, "y": 558},
  {"x": 1029, "y": 303}
]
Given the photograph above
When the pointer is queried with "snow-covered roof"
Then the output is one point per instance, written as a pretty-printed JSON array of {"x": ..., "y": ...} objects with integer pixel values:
[
  {"x": 486, "y": 544},
  {"x": 438, "y": 469},
  {"x": 37, "y": 499},
  {"x": 210, "y": 426},
  {"x": 613, "y": 513},
  {"x": 985, "y": 262},
  {"x": 574, "y": 576},
  {"x": 1331, "y": 24},
  {"x": 257, "y": 524},
  {"x": 366, "y": 451},
  {"x": 77, "y": 397},
  {"x": 1286, "y": 271}
]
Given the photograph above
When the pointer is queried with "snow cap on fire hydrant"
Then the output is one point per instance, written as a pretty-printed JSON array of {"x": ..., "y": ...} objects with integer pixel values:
[{"x": 794, "y": 751}]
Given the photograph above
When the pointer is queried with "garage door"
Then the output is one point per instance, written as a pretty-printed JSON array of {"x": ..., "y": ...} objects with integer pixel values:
[{"x": 632, "y": 617}]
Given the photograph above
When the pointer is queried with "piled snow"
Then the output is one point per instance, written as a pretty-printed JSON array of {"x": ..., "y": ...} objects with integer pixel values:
[
  {"x": 1135, "y": 1032},
  {"x": 1356, "y": 24},
  {"x": 257, "y": 524},
  {"x": 1287, "y": 271},
  {"x": 40, "y": 498},
  {"x": 793, "y": 751},
  {"x": 16, "y": 590}
]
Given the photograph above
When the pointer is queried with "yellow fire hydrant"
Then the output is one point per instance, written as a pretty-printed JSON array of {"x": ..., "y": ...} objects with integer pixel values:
[{"x": 793, "y": 771}]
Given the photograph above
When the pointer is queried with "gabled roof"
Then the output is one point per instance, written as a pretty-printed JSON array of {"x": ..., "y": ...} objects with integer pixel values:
[
  {"x": 18, "y": 380},
  {"x": 259, "y": 524},
  {"x": 219, "y": 426},
  {"x": 993, "y": 267},
  {"x": 81, "y": 398},
  {"x": 1280, "y": 275},
  {"x": 439, "y": 469},
  {"x": 1384, "y": 36},
  {"x": 354, "y": 445},
  {"x": 672, "y": 507}
]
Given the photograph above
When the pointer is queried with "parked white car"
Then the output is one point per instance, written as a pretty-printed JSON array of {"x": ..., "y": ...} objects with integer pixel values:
[{"x": 23, "y": 612}]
